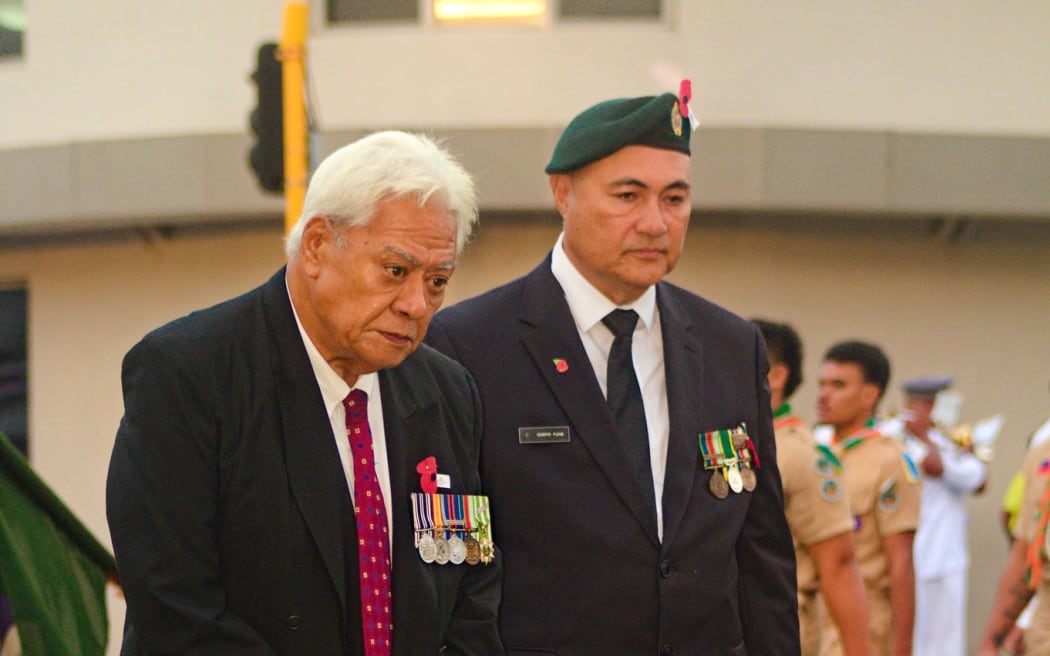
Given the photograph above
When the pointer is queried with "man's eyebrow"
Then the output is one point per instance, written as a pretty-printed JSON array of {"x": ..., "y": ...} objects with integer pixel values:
[
  {"x": 631, "y": 182},
  {"x": 635, "y": 182},
  {"x": 411, "y": 259}
]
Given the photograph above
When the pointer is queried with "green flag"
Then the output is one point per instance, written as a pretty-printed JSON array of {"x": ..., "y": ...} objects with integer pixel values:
[{"x": 52, "y": 568}]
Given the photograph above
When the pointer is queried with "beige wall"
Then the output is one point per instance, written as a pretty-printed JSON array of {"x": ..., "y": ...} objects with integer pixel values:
[
  {"x": 112, "y": 69},
  {"x": 977, "y": 307}
]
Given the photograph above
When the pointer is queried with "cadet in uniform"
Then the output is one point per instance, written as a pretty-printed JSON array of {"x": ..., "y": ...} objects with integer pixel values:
[
  {"x": 950, "y": 473},
  {"x": 884, "y": 494},
  {"x": 817, "y": 508},
  {"x": 1027, "y": 570}
]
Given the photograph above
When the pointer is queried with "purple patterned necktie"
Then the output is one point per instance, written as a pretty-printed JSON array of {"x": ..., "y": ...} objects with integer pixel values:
[{"x": 373, "y": 544}]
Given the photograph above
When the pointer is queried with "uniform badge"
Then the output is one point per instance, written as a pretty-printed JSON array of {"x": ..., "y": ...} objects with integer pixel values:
[
  {"x": 888, "y": 496},
  {"x": 676, "y": 120},
  {"x": 823, "y": 466},
  {"x": 831, "y": 490}
]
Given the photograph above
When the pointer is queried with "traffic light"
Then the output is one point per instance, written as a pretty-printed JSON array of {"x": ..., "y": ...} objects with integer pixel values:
[{"x": 267, "y": 120}]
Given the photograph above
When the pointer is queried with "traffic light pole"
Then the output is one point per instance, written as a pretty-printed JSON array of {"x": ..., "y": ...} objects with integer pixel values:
[{"x": 292, "y": 55}]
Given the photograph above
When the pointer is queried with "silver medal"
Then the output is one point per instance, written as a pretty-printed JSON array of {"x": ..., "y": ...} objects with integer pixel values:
[
  {"x": 457, "y": 550},
  {"x": 427, "y": 549}
]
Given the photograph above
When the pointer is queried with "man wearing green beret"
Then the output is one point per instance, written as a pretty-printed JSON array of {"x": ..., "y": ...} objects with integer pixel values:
[{"x": 628, "y": 445}]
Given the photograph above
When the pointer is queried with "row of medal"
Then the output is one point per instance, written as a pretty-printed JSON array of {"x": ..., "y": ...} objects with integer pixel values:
[
  {"x": 730, "y": 454},
  {"x": 453, "y": 528}
]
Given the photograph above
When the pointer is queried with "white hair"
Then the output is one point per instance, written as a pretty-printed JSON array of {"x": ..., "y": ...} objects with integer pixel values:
[{"x": 350, "y": 183}]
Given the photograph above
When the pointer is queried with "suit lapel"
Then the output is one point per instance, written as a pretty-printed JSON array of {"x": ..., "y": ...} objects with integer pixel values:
[
  {"x": 316, "y": 478},
  {"x": 554, "y": 336},
  {"x": 683, "y": 368}
]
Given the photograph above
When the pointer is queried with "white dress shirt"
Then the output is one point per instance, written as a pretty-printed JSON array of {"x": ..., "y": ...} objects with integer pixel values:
[
  {"x": 333, "y": 390},
  {"x": 588, "y": 306}
]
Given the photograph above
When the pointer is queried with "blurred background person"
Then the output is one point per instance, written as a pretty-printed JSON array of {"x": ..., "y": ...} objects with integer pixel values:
[
  {"x": 884, "y": 493},
  {"x": 817, "y": 508},
  {"x": 950, "y": 473}
]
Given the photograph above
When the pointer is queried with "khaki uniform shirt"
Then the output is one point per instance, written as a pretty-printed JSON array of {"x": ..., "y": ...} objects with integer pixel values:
[
  {"x": 1036, "y": 471},
  {"x": 817, "y": 509},
  {"x": 884, "y": 495}
]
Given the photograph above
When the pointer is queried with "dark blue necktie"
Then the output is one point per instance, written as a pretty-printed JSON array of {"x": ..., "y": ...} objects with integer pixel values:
[{"x": 625, "y": 398}]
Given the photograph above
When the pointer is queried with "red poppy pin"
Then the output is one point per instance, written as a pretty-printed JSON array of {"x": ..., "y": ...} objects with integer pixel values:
[
  {"x": 561, "y": 365},
  {"x": 427, "y": 469}
]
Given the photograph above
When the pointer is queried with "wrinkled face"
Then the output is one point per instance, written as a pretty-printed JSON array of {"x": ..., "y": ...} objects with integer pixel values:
[
  {"x": 373, "y": 289},
  {"x": 625, "y": 218},
  {"x": 844, "y": 399}
]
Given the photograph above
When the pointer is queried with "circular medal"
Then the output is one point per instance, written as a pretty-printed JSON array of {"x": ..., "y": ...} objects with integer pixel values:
[
  {"x": 750, "y": 480},
  {"x": 718, "y": 485},
  {"x": 488, "y": 551},
  {"x": 473, "y": 550},
  {"x": 427, "y": 550},
  {"x": 441, "y": 550},
  {"x": 736, "y": 482},
  {"x": 457, "y": 551}
]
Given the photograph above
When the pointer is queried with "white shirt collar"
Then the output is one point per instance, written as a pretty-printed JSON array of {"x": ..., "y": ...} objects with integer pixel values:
[{"x": 587, "y": 304}]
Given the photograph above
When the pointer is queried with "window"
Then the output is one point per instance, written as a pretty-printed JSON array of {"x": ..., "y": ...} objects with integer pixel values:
[
  {"x": 12, "y": 27},
  {"x": 531, "y": 12},
  {"x": 609, "y": 8},
  {"x": 13, "y": 406},
  {"x": 369, "y": 11}
]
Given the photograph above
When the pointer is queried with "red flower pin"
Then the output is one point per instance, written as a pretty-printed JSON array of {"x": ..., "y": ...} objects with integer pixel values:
[
  {"x": 427, "y": 469},
  {"x": 561, "y": 365}
]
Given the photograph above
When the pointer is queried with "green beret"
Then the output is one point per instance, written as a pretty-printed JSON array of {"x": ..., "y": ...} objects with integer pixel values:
[{"x": 600, "y": 131}]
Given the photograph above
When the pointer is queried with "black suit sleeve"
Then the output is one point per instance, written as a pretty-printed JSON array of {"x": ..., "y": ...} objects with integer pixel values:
[
  {"x": 162, "y": 501},
  {"x": 767, "y": 588},
  {"x": 473, "y": 629}
]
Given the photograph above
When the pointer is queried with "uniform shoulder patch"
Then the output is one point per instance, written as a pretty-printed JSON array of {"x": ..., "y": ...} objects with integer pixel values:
[
  {"x": 910, "y": 470},
  {"x": 888, "y": 495}
]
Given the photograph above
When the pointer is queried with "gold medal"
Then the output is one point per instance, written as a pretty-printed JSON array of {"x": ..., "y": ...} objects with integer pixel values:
[
  {"x": 427, "y": 549},
  {"x": 750, "y": 480},
  {"x": 457, "y": 551},
  {"x": 441, "y": 550},
  {"x": 718, "y": 485},
  {"x": 473, "y": 550}
]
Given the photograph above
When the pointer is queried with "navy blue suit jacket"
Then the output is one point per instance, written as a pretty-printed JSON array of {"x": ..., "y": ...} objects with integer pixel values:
[{"x": 584, "y": 570}]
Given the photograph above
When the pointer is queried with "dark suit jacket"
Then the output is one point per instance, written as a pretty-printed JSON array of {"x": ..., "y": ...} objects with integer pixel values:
[
  {"x": 229, "y": 510},
  {"x": 584, "y": 572}
]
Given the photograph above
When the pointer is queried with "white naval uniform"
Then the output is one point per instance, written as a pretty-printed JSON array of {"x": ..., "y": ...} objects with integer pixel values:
[{"x": 941, "y": 554}]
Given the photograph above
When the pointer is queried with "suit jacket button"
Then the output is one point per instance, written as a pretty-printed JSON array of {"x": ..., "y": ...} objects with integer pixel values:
[
  {"x": 665, "y": 571},
  {"x": 294, "y": 622},
  {"x": 666, "y": 650}
]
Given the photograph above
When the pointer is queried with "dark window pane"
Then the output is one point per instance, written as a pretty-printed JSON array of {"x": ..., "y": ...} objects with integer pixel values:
[
  {"x": 13, "y": 403},
  {"x": 12, "y": 27},
  {"x": 610, "y": 8},
  {"x": 365, "y": 11}
]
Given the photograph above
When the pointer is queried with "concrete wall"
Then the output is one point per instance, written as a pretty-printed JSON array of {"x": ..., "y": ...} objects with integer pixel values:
[
  {"x": 123, "y": 69},
  {"x": 976, "y": 306}
]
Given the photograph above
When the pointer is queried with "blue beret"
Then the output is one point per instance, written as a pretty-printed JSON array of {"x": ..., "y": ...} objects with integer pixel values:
[
  {"x": 605, "y": 128},
  {"x": 927, "y": 385}
]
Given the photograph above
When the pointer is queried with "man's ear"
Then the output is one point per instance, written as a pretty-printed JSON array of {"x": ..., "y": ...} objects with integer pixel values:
[
  {"x": 870, "y": 393},
  {"x": 561, "y": 188},
  {"x": 318, "y": 235}
]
